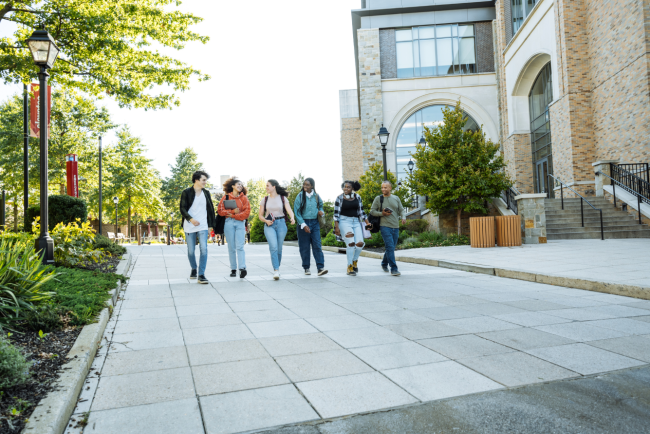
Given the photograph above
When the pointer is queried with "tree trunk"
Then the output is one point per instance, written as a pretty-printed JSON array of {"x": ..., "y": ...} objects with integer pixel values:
[
  {"x": 128, "y": 225},
  {"x": 15, "y": 214},
  {"x": 458, "y": 213}
]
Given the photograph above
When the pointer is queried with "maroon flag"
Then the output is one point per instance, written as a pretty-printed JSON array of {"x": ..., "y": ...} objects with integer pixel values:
[{"x": 35, "y": 110}]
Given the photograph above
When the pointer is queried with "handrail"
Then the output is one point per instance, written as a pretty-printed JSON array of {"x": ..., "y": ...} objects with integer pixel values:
[
  {"x": 508, "y": 196},
  {"x": 639, "y": 196},
  {"x": 582, "y": 212},
  {"x": 630, "y": 181}
]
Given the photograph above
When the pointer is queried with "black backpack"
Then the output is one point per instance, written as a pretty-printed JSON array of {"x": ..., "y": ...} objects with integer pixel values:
[
  {"x": 220, "y": 222},
  {"x": 376, "y": 221}
]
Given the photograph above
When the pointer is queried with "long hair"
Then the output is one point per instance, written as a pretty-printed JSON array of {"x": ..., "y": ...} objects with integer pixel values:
[
  {"x": 278, "y": 188},
  {"x": 303, "y": 201},
  {"x": 230, "y": 182}
]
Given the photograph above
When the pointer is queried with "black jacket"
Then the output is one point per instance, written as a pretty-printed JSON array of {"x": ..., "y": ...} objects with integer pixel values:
[{"x": 187, "y": 199}]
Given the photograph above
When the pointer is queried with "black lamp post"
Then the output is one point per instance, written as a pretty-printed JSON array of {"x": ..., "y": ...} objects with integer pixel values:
[
  {"x": 383, "y": 139},
  {"x": 115, "y": 201},
  {"x": 100, "y": 184},
  {"x": 411, "y": 164},
  {"x": 44, "y": 52}
]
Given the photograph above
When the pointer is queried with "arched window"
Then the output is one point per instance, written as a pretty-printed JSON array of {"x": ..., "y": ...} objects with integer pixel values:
[
  {"x": 541, "y": 95},
  {"x": 412, "y": 130}
]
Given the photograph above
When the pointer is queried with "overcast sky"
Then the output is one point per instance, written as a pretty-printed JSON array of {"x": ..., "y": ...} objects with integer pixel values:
[{"x": 271, "y": 108}]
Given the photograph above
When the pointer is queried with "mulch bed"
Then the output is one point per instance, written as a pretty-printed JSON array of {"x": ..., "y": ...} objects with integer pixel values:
[
  {"x": 48, "y": 356},
  {"x": 108, "y": 266}
]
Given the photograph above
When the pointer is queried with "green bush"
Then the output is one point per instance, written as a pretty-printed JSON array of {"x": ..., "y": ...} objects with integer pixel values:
[
  {"x": 44, "y": 317},
  {"x": 83, "y": 293},
  {"x": 417, "y": 225},
  {"x": 257, "y": 230},
  {"x": 105, "y": 244},
  {"x": 62, "y": 209},
  {"x": 73, "y": 244},
  {"x": 431, "y": 237},
  {"x": 22, "y": 283},
  {"x": 330, "y": 240},
  {"x": 14, "y": 368}
]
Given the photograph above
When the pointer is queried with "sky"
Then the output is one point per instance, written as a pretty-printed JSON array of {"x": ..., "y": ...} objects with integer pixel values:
[{"x": 271, "y": 109}]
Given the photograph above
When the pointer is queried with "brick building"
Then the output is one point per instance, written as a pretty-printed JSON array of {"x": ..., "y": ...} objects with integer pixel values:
[{"x": 561, "y": 84}]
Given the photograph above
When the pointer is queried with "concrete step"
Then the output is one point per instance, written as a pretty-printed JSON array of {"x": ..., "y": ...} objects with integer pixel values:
[
  {"x": 590, "y": 223},
  {"x": 595, "y": 234},
  {"x": 572, "y": 229},
  {"x": 593, "y": 216},
  {"x": 591, "y": 213}
]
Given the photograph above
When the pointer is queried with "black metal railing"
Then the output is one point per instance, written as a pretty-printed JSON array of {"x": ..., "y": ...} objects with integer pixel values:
[
  {"x": 639, "y": 197},
  {"x": 631, "y": 178},
  {"x": 582, "y": 199},
  {"x": 508, "y": 196},
  {"x": 642, "y": 170}
]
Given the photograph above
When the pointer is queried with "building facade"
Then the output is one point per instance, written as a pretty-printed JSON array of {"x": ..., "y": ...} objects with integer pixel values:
[{"x": 561, "y": 84}]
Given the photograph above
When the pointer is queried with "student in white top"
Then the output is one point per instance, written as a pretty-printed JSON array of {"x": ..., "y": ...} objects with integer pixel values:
[
  {"x": 272, "y": 212},
  {"x": 198, "y": 218}
]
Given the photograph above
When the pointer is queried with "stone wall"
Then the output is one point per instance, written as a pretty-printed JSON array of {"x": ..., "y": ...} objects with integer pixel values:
[
  {"x": 533, "y": 218},
  {"x": 388, "y": 54},
  {"x": 371, "y": 107},
  {"x": 484, "y": 47},
  {"x": 517, "y": 153},
  {"x": 351, "y": 148}
]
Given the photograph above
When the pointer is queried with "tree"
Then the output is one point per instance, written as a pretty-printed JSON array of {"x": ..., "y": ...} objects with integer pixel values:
[
  {"x": 187, "y": 162},
  {"x": 256, "y": 192},
  {"x": 134, "y": 180},
  {"x": 294, "y": 187},
  {"x": 457, "y": 169},
  {"x": 106, "y": 47},
  {"x": 371, "y": 186}
]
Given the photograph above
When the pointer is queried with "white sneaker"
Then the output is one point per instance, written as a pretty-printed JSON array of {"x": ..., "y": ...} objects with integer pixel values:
[
  {"x": 276, "y": 275},
  {"x": 307, "y": 272}
]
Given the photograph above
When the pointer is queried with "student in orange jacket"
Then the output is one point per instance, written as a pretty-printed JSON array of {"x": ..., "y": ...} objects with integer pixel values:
[{"x": 234, "y": 228}]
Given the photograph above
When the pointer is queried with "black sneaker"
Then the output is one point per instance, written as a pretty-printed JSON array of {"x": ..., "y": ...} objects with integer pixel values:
[
  {"x": 385, "y": 269},
  {"x": 203, "y": 280},
  {"x": 233, "y": 273},
  {"x": 242, "y": 273},
  {"x": 193, "y": 275},
  {"x": 395, "y": 273},
  {"x": 322, "y": 272}
]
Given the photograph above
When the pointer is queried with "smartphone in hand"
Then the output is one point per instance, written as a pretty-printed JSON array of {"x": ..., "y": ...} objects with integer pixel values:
[{"x": 388, "y": 210}]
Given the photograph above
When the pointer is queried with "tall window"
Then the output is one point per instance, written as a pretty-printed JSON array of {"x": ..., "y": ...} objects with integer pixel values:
[
  {"x": 412, "y": 131},
  {"x": 520, "y": 10},
  {"x": 435, "y": 50},
  {"x": 541, "y": 95}
]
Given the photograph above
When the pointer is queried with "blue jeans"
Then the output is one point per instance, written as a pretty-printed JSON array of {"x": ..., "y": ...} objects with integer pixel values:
[
  {"x": 203, "y": 249},
  {"x": 306, "y": 240},
  {"x": 351, "y": 225},
  {"x": 235, "y": 233},
  {"x": 275, "y": 236},
  {"x": 390, "y": 236}
]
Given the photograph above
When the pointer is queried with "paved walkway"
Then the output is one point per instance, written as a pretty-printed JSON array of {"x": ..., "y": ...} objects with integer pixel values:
[
  {"x": 616, "y": 261},
  {"x": 250, "y": 354}
]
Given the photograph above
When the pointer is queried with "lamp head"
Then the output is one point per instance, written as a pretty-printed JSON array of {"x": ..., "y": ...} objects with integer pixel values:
[
  {"x": 383, "y": 135},
  {"x": 411, "y": 164},
  {"x": 422, "y": 141},
  {"x": 115, "y": 200},
  {"x": 44, "y": 50}
]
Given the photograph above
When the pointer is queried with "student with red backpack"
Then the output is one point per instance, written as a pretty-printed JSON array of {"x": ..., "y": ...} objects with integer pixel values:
[{"x": 272, "y": 213}]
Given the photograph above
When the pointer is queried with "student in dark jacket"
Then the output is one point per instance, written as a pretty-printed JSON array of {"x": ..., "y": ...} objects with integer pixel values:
[{"x": 198, "y": 219}]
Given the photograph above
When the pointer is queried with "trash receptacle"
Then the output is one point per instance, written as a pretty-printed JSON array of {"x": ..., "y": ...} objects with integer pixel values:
[
  {"x": 481, "y": 231},
  {"x": 508, "y": 230}
]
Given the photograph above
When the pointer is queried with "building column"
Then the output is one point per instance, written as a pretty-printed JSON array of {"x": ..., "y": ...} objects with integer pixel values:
[
  {"x": 533, "y": 217},
  {"x": 601, "y": 181},
  {"x": 370, "y": 98}
]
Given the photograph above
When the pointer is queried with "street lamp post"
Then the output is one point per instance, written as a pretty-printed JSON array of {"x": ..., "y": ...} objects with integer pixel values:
[
  {"x": 44, "y": 52},
  {"x": 116, "y": 201},
  {"x": 383, "y": 139},
  {"x": 411, "y": 164},
  {"x": 25, "y": 156},
  {"x": 100, "y": 184}
]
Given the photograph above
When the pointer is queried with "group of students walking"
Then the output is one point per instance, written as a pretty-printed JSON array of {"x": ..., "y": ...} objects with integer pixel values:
[{"x": 351, "y": 225}]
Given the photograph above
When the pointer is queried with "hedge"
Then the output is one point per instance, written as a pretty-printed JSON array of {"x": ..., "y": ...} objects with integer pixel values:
[{"x": 62, "y": 209}]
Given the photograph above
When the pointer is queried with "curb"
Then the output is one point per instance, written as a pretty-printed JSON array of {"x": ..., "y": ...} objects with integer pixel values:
[
  {"x": 52, "y": 414},
  {"x": 640, "y": 292}
]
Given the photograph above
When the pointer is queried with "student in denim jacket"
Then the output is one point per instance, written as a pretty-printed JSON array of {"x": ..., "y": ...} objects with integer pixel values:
[{"x": 307, "y": 207}]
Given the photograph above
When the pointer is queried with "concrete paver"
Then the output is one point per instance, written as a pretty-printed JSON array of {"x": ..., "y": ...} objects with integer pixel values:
[{"x": 257, "y": 353}]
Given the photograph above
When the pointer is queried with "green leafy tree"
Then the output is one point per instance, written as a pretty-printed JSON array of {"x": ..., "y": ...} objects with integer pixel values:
[
  {"x": 256, "y": 192},
  {"x": 294, "y": 187},
  {"x": 107, "y": 47},
  {"x": 187, "y": 162},
  {"x": 457, "y": 169},
  {"x": 134, "y": 180},
  {"x": 371, "y": 186}
]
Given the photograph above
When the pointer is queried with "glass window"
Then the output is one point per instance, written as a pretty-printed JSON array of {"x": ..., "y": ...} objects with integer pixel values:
[
  {"x": 541, "y": 95},
  {"x": 412, "y": 130},
  {"x": 440, "y": 50},
  {"x": 520, "y": 10}
]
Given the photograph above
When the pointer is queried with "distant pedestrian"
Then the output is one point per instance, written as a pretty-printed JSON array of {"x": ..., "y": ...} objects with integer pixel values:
[
  {"x": 390, "y": 210},
  {"x": 308, "y": 206},
  {"x": 272, "y": 213},
  {"x": 198, "y": 218},
  {"x": 235, "y": 207},
  {"x": 348, "y": 219}
]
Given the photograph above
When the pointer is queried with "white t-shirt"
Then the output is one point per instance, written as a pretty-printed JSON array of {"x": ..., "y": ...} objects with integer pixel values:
[{"x": 199, "y": 213}]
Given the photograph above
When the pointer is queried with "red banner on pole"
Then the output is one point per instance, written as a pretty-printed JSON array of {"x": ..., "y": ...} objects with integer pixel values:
[
  {"x": 72, "y": 175},
  {"x": 35, "y": 110}
]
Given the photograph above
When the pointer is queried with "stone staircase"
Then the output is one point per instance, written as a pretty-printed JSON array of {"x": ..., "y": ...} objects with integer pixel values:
[{"x": 566, "y": 224}]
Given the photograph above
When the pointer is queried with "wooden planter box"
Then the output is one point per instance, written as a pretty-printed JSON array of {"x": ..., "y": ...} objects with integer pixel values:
[
  {"x": 481, "y": 231},
  {"x": 508, "y": 231}
]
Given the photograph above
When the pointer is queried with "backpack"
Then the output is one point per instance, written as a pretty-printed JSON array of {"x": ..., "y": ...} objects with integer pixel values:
[
  {"x": 376, "y": 221},
  {"x": 220, "y": 222}
]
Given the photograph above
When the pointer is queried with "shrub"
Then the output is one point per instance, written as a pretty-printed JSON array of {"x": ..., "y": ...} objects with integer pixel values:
[
  {"x": 330, "y": 240},
  {"x": 17, "y": 240},
  {"x": 62, "y": 209},
  {"x": 44, "y": 317},
  {"x": 257, "y": 230},
  {"x": 14, "y": 368},
  {"x": 105, "y": 244},
  {"x": 22, "y": 280},
  {"x": 417, "y": 225},
  {"x": 73, "y": 244},
  {"x": 431, "y": 237}
]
